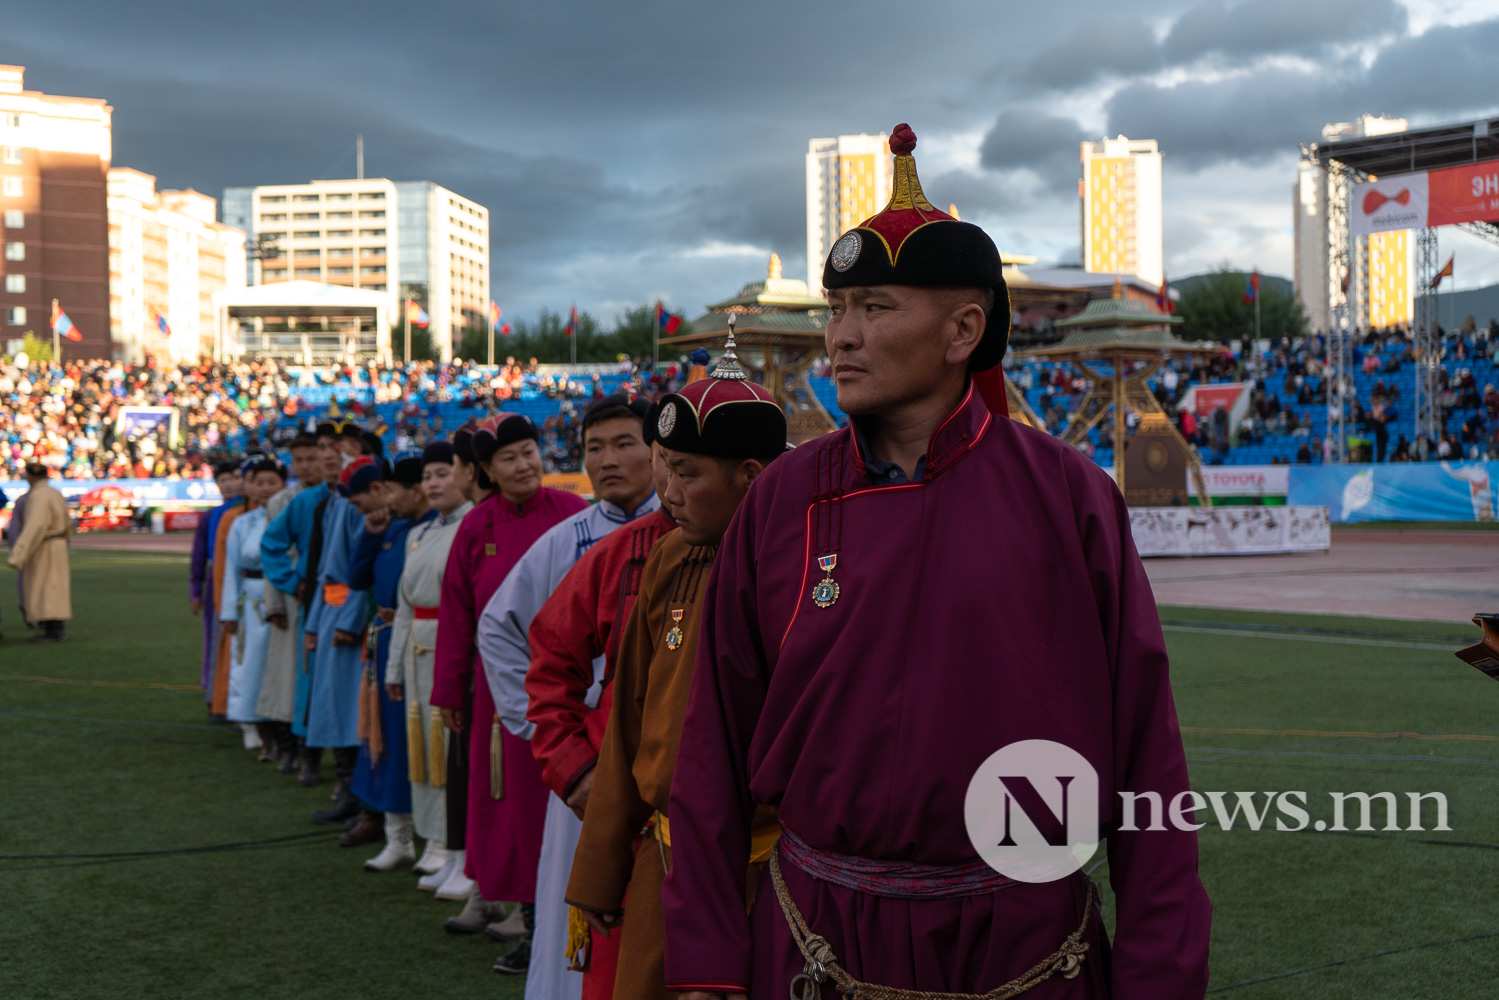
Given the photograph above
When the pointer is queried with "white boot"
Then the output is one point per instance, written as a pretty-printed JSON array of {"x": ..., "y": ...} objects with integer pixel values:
[
  {"x": 458, "y": 885},
  {"x": 252, "y": 738},
  {"x": 398, "y": 852},
  {"x": 432, "y": 859},
  {"x": 433, "y": 882}
]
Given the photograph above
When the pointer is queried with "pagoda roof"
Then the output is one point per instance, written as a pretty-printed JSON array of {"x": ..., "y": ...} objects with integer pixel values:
[
  {"x": 755, "y": 328},
  {"x": 773, "y": 293},
  {"x": 1128, "y": 341},
  {"x": 1119, "y": 312}
]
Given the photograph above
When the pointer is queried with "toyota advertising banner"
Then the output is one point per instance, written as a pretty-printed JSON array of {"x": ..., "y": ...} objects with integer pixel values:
[{"x": 1466, "y": 193}]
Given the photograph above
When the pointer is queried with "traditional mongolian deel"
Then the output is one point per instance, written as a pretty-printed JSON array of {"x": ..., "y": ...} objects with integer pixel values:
[
  {"x": 412, "y": 644},
  {"x": 504, "y": 834},
  {"x": 506, "y": 651},
  {"x": 863, "y": 720}
]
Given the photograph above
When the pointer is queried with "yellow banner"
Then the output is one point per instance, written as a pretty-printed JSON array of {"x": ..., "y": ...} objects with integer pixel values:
[{"x": 572, "y": 482}]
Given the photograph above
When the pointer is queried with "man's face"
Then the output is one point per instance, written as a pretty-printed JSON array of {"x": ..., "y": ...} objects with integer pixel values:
[
  {"x": 442, "y": 485},
  {"x": 332, "y": 458},
  {"x": 262, "y": 486},
  {"x": 891, "y": 345},
  {"x": 516, "y": 470},
  {"x": 307, "y": 465},
  {"x": 616, "y": 459},
  {"x": 369, "y": 500},
  {"x": 230, "y": 485},
  {"x": 661, "y": 475},
  {"x": 404, "y": 501},
  {"x": 350, "y": 446},
  {"x": 702, "y": 497}
]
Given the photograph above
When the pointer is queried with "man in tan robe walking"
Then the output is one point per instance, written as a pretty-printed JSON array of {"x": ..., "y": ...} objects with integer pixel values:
[{"x": 41, "y": 554}]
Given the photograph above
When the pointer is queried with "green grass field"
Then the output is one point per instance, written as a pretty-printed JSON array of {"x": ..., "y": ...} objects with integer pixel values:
[{"x": 278, "y": 910}]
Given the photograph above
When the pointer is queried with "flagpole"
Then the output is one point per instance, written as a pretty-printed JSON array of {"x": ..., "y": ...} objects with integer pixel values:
[
  {"x": 1256, "y": 310},
  {"x": 656, "y": 338},
  {"x": 572, "y": 320},
  {"x": 56, "y": 347},
  {"x": 491, "y": 333},
  {"x": 406, "y": 311}
]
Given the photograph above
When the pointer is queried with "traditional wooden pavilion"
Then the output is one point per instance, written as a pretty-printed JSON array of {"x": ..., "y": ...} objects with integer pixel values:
[{"x": 1118, "y": 344}]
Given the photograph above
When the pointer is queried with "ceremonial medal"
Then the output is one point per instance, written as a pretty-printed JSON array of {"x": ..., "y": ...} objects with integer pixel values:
[
  {"x": 489, "y": 549},
  {"x": 825, "y": 592},
  {"x": 674, "y": 637}
]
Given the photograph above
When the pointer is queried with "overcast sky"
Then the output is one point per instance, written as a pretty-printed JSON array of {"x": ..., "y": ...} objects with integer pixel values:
[{"x": 654, "y": 149}]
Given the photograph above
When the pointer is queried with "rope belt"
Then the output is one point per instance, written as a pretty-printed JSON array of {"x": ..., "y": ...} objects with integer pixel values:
[
  {"x": 893, "y": 879},
  {"x": 822, "y": 965},
  {"x": 424, "y": 614}
]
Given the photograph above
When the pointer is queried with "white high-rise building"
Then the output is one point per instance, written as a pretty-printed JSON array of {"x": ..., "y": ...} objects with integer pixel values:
[
  {"x": 1380, "y": 283},
  {"x": 1120, "y": 191},
  {"x": 410, "y": 239},
  {"x": 848, "y": 180},
  {"x": 167, "y": 258}
]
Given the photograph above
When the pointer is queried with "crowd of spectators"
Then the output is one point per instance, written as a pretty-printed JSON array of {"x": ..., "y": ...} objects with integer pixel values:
[
  {"x": 68, "y": 416},
  {"x": 1289, "y": 379}
]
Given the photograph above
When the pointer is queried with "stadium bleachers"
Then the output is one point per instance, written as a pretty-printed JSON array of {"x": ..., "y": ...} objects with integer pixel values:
[{"x": 1267, "y": 448}]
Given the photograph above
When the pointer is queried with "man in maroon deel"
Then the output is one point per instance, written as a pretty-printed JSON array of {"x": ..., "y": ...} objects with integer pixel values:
[{"x": 892, "y": 604}]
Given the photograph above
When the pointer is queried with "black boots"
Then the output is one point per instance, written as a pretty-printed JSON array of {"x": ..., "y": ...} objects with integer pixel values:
[
  {"x": 289, "y": 748},
  {"x": 518, "y": 960},
  {"x": 312, "y": 767},
  {"x": 345, "y": 802},
  {"x": 51, "y": 632},
  {"x": 270, "y": 747}
]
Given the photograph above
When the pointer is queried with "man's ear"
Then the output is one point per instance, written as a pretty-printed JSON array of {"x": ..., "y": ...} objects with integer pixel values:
[{"x": 968, "y": 325}]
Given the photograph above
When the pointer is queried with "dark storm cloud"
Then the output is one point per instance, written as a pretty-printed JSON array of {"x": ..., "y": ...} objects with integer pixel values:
[
  {"x": 1257, "y": 116},
  {"x": 1243, "y": 31},
  {"x": 656, "y": 148},
  {"x": 1030, "y": 139},
  {"x": 1215, "y": 32},
  {"x": 1095, "y": 50}
]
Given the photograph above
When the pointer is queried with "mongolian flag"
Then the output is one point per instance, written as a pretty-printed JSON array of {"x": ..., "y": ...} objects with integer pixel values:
[
  {"x": 1163, "y": 298},
  {"x": 669, "y": 323},
  {"x": 1445, "y": 272},
  {"x": 1252, "y": 290},
  {"x": 415, "y": 314},
  {"x": 494, "y": 313},
  {"x": 572, "y": 324},
  {"x": 160, "y": 321},
  {"x": 61, "y": 325}
]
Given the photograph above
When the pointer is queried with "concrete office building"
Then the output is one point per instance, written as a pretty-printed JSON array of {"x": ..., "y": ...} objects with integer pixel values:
[
  {"x": 1120, "y": 190},
  {"x": 848, "y": 180},
  {"x": 167, "y": 254},
  {"x": 409, "y": 239},
  {"x": 54, "y": 155}
]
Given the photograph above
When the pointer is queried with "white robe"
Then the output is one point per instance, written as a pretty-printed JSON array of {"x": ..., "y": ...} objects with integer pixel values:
[
  {"x": 244, "y": 602},
  {"x": 506, "y": 653},
  {"x": 410, "y": 663}
]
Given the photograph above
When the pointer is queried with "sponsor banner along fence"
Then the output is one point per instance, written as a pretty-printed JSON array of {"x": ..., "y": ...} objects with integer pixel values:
[
  {"x": 1222, "y": 531},
  {"x": 1430, "y": 491},
  {"x": 1468, "y": 192}
]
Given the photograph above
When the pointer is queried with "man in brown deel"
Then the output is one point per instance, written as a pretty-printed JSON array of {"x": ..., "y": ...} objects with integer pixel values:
[
  {"x": 41, "y": 554},
  {"x": 717, "y": 435}
]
